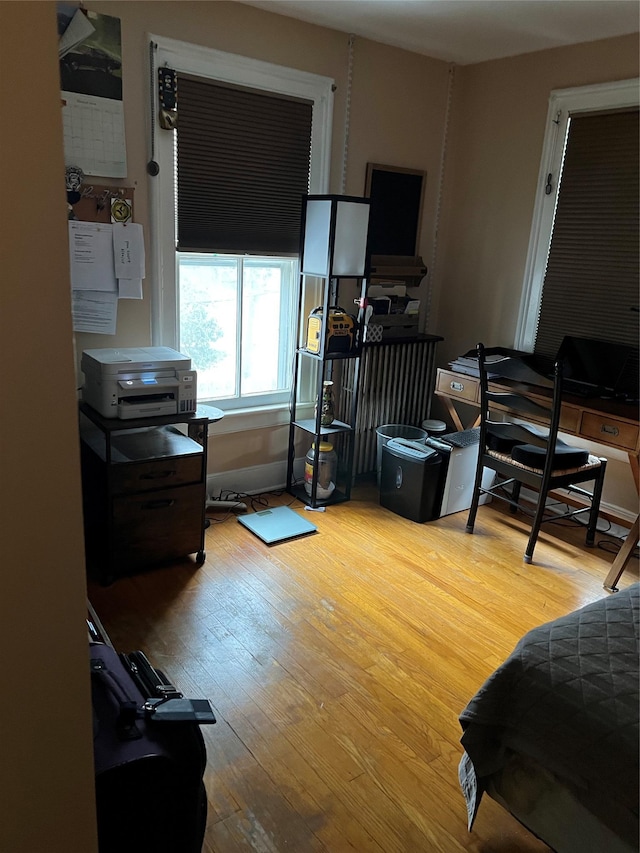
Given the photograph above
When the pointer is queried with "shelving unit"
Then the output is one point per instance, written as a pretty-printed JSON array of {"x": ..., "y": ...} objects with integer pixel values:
[{"x": 333, "y": 249}]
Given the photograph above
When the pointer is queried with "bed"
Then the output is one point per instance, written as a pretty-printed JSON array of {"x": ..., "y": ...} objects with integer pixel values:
[{"x": 552, "y": 735}]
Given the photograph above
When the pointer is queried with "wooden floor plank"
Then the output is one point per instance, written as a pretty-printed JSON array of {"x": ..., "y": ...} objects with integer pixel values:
[
  {"x": 305, "y": 788},
  {"x": 338, "y": 665}
]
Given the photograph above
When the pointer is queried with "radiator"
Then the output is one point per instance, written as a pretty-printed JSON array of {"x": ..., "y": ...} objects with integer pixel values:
[{"x": 394, "y": 385}]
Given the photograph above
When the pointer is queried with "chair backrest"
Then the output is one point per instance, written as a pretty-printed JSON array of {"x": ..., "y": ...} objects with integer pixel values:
[
  {"x": 532, "y": 402},
  {"x": 523, "y": 380}
]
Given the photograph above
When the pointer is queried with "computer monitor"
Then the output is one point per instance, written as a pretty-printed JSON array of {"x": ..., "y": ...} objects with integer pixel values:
[{"x": 604, "y": 367}]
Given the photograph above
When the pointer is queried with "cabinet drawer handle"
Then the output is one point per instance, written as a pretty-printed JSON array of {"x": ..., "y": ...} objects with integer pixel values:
[
  {"x": 609, "y": 430},
  {"x": 157, "y": 475},
  {"x": 457, "y": 386},
  {"x": 163, "y": 504}
]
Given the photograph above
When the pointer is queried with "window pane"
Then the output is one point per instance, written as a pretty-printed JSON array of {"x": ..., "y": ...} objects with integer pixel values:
[
  {"x": 208, "y": 288},
  {"x": 264, "y": 310},
  {"x": 212, "y": 287}
]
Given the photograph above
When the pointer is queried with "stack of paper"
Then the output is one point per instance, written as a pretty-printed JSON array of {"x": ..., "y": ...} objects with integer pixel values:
[{"x": 469, "y": 364}]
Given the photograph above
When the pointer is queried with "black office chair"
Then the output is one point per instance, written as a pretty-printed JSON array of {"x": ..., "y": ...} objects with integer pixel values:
[{"x": 529, "y": 451}]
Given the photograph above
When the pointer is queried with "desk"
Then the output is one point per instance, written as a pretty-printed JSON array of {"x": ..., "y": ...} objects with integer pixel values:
[{"x": 608, "y": 422}]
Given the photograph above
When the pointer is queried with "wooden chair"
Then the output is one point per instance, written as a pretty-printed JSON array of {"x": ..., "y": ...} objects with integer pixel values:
[{"x": 526, "y": 448}]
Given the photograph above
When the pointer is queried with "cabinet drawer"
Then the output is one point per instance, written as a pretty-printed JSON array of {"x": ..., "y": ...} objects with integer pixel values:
[
  {"x": 569, "y": 420},
  {"x": 461, "y": 387},
  {"x": 162, "y": 525},
  {"x": 608, "y": 430},
  {"x": 155, "y": 474}
]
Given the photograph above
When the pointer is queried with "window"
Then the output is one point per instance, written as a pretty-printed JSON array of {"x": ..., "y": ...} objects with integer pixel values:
[
  {"x": 225, "y": 285},
  {"x": 235, "y": 323},
  {"x": 585, "y": 226}
]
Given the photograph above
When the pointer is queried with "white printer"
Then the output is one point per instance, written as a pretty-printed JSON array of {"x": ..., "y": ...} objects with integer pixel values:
[{"x": 138, "y": 382}]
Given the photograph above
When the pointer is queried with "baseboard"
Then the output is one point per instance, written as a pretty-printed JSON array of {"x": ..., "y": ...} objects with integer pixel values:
[{"x": 254, "y": 480}]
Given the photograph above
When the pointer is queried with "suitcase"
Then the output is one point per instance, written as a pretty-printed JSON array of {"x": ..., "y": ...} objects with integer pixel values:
[{"x": 149, "y": 757}]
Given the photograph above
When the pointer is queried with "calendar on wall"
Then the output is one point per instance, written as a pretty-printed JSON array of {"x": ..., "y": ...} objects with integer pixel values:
[
  {"x": 90, "y": 51},
  {"x": 94, "y": 135}
]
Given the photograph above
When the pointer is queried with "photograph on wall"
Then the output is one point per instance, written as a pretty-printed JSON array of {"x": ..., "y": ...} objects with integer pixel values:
[{"x": 91, "y": 54}]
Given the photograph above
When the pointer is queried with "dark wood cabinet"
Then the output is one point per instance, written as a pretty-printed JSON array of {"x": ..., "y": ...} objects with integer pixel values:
[{"x": 144, "y": 490}]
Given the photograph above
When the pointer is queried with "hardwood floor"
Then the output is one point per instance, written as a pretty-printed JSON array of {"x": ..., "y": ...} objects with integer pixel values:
[{"x": 337, "y": 665}]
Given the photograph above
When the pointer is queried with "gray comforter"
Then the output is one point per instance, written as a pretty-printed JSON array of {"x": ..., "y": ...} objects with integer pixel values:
[{"x": 567, "y": 697}]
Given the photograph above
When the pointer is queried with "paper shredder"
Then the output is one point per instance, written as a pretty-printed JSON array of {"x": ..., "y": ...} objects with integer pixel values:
[{"x": 410, "y": 480}]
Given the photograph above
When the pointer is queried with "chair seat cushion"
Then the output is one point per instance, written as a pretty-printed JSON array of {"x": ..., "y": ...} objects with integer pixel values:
[
  {"x": 564, "y": 456},
  {"x": 500, "y": 443},
  {"x": 498, "y": 437}
]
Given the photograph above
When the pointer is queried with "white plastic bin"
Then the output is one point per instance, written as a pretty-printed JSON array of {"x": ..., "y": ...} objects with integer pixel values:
[
  {"x": 434, "y": 427},
  {"x": 386, "y": 432}
]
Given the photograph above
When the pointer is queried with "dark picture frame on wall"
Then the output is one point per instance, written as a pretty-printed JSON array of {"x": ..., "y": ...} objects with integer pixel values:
[{"x": 396, "y": 195}]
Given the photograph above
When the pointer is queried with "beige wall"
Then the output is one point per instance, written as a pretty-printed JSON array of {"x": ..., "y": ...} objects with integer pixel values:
[{"x": 46, "y": 770}]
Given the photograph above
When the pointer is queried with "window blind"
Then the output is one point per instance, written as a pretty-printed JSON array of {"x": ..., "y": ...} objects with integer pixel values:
[
  {"x": 591, "y": 281},
  {"x": 242, "y": 168}
]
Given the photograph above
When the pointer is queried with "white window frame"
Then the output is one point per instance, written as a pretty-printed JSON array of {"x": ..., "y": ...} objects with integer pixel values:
[
  {"x": 240, "y": 70},
  {"x": 563, "y": 103}
]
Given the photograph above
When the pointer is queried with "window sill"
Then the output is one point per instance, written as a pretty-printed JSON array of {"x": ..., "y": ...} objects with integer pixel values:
[{"x": 242, "y": 420}]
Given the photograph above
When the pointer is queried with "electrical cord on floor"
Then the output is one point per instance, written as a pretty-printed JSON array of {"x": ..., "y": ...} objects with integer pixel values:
[
  {"x": 612, "y": 546},
  {"x": 256, "y": 502},
  {"x": 220, "y": 519},
  {"x": 549, "y": 519},
  {"x": 233, "y": 504}
]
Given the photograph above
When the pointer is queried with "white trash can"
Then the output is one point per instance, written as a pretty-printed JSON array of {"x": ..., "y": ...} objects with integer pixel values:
[{"x": 434, "y": 427}]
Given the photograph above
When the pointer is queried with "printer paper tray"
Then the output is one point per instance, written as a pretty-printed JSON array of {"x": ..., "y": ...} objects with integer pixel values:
[{"x": 141, "y": 409}]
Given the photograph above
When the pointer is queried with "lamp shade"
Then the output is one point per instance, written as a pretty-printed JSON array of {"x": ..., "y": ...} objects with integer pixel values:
[{"x": 334, "y": 235}]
